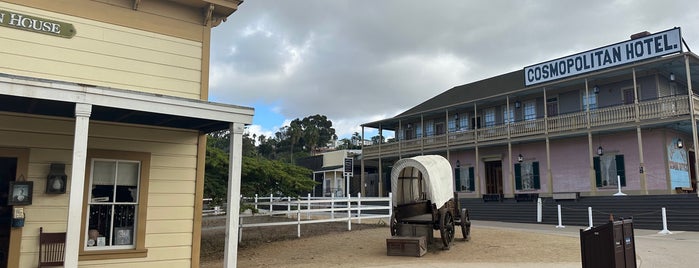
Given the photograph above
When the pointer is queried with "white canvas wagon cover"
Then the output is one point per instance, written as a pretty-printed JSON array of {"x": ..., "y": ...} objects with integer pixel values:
[{"x": 436, "y": 173}]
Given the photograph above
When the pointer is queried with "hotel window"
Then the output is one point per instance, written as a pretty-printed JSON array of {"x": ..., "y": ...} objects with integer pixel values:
[
  {"x": 530, "y": 110},
  {"x": 489, "y": 117},
  {"x": 429, "y": 128},
  {"x": 463, "y": 122},
  {"x": 508, "y": 116},
  {"x": 464, "y": 183},
  {"x": 607, "y": 168},
  {"x": 452, "y": 123},
  {"x": 418, "y": 130},
  {"x": 527, "y": 176},
  {"x": 115, "y": 208},
  {"x": 590, "y": 99}
]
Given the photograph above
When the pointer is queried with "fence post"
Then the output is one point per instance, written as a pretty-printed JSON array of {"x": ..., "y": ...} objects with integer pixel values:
[
  {"x": 359, "y": 207},
  {"x": 349, "y": 213},
  {"x": 560, "y": 220},
  {"x": 308, "y": 207},
  {"x": 332, "y": 205},
  {"x": 255, "y": 202},
  {"x": 589, "y": 216},
  {"x": 665, "y": 231},
  {"x": 240, "y": 229},
  {"x": 538, "y": 210},
  {"x": 298, "y": 217},
  {"x": 390, "y": 205},
  {"x": 288, "y": 207},
  {"x": 271, "y": 197}
]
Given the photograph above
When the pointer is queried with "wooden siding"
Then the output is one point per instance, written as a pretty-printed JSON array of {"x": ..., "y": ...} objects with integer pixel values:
[
  {"x": 104, "y": 55},
  {"x": 171, "y": 190}
]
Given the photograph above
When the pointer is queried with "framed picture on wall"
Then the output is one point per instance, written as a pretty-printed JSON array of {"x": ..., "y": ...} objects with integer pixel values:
[{"x": 20, "y": 193}]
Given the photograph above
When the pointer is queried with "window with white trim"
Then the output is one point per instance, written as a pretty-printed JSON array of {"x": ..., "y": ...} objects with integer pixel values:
[
  {"x": 429, "y": 128},
  {"x": 590, "y": 100},
  {"x": 530, "y": 110},
  {"x": 113, "y": 204},
  {"x": 489, "y": 117}
]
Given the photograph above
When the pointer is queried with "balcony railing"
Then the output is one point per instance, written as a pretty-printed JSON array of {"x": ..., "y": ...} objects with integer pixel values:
[{"x": 657, "y": 109}]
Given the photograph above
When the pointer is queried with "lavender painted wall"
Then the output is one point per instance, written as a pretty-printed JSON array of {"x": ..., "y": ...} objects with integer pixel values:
[{"x": 571, "y": 165}]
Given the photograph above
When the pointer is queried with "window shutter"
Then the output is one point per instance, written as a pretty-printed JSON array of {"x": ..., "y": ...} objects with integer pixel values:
[
  {"x": 518, "y": 177},
  {"x": 598, "y": 171},
  {"x": 471, "y": 180},
  {"x": 537, "y": 181},
  {"x": 457, "y": 179},
  {"x": 620, "y": 169}
]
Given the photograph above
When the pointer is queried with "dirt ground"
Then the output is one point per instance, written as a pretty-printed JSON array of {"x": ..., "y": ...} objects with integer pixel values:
[{"x": 331, "y": 245}]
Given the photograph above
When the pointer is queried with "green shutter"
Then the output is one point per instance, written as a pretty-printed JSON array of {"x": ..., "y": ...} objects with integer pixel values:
[
  {"x": 537, "y": 181},
  {"x": 620, "y": 169},
  {"x": 457, "y": 178},
  {"x": 518, "y": 176},
  {"x": 598, "y": 171},
  {"x": 471, "y": 180}
]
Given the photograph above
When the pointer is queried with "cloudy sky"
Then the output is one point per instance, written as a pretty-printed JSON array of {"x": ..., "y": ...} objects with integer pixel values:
[{"x": 362, "y": 61}]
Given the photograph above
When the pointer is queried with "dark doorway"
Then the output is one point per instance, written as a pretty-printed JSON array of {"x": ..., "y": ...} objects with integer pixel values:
[
  {"x": 8, "y": 171},
  {"x": 493, "y": 177},
  {"x": 692, "y": 172}
]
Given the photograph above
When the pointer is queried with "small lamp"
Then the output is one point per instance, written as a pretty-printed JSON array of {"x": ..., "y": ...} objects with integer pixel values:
[
  {"x": 672, "y": 77},
  {"x": 458, "y": 164},
  {"x": 518, "y": 104},
  {"x": 679, "y": 143},
  {"x": 595, "y": 89},
  {"x": 56, "y": 180},
  {"x": 520, "y": 158},
  {"x": 600, "y": 151}
]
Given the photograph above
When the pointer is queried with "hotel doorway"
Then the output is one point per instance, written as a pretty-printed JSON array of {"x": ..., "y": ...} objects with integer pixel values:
[{"x": 493, "y": 178}]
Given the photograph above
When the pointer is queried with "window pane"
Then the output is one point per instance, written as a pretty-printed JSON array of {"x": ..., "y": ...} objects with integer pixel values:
[
  {"x": 124, "y": 219},
  {"x": 127, "y": 174},
  {"x": 104, "y": 173},
  {"x": 99, "y": 225},
  {"x": 489, "y": 117},
  {"x": 529, "y": 110}
]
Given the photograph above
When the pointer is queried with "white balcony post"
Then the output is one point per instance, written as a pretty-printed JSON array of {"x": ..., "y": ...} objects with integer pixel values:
[{"x": 230, "y": 258}]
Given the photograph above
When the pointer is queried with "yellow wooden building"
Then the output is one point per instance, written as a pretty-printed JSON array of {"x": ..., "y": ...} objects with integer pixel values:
[{"x": 103, "y": 116}]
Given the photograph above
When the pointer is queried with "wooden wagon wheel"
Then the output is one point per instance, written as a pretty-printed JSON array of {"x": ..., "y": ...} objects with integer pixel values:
[
  {"x": 446, "y": 227},
  {"x": 394, "y": 224},
  {"x": 465, "y": 224}
]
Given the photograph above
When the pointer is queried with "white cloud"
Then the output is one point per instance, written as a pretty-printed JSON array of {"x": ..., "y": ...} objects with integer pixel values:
[{"x": 354, "y": 64}]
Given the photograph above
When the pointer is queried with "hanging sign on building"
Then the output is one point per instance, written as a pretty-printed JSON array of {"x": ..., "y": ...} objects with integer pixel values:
[
  {"x": 348, "y": 167},
  {"x": 650, "y": 46},
  {"x": 36, "y": 24}
]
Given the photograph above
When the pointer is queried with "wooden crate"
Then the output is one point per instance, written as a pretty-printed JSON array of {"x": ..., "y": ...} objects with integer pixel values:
[
  {"x": 417, "y": 230},
  {"x": 406, "y": 246}
]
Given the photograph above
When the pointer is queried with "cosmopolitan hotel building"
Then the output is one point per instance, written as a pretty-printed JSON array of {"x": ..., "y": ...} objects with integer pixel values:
[
  {"x": 103, "y": 122},
  {"x": 621, "y": 114}
]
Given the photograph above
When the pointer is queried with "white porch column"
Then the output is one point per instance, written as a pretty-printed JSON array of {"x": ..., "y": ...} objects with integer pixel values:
[
  {"x": 77, "y": 184},
  {"x": 235, "y": 153}
]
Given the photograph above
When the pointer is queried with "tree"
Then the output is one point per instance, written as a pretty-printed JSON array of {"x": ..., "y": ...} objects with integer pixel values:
[
  {"x": 378, "y": 139},
  {"x": 264, "y": 177}
]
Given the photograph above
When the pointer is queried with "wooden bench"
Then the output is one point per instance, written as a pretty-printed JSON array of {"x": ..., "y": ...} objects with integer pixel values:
[
  {"x": 528, "y": 197},
  {"x": 566, "y": 196}
]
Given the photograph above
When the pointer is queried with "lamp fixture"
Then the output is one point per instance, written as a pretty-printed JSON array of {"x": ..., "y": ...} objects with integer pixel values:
[
  {"x": 518, "y": 104},
  {"x": 409, "y": 125},
  {"x": 520, "y": 158},
  {"x": 595, "y": 89},
  {"x": 679, "y": 143},
  {"x": 458, "y": 164},
  {"x": 672, "y": 76},
  {"x": 600, "y": 151}
]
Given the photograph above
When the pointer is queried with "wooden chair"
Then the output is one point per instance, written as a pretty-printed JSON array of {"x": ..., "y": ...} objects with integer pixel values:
[{"x": 51, "y": 248}]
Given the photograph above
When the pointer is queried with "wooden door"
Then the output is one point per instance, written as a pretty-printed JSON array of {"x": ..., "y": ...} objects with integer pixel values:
[{"x": 493, "y": 177}]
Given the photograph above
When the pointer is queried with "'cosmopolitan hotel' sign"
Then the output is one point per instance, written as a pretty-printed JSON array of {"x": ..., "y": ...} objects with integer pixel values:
[{"x": 659, "y": 44}]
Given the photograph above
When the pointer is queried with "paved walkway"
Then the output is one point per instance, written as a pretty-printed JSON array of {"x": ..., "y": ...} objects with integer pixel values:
[{"x": 676, "y": 250}]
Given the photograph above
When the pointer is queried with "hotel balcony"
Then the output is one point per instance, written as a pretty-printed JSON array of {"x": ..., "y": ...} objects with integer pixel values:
[{"x": 660, "y": 111}]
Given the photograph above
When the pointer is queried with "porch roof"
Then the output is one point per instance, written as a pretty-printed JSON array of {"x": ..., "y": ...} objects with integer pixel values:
[{"x": 56, "y": 98}]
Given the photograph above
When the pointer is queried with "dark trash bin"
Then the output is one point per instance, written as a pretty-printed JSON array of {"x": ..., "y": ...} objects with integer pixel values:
[{"x": 609, "y": 245}]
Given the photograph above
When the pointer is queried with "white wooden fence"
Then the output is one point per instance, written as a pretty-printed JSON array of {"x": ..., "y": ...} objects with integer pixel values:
[{"x": 300, "y": 210}]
